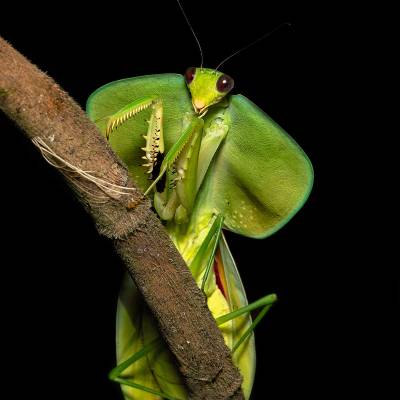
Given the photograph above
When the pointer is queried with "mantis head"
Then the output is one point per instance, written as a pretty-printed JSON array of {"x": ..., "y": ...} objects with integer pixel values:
[{"x": 207, "y": 87}]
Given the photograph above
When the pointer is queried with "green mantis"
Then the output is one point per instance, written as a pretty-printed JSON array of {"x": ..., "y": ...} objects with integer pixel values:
[
  {"x": 226, "y": 164},
  {"x": 209, "y": 160}
]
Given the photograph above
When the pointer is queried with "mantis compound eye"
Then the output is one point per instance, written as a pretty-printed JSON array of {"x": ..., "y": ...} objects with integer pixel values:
[
  {"x": 224, "y": 84},
  {"x": 189, "y": 75}
]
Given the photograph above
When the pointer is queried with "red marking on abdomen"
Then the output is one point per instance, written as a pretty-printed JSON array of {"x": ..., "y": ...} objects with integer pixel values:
[{"x": 218, "y": 276}]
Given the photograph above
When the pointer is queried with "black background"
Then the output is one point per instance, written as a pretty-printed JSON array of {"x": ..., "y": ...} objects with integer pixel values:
[{"x": 60, "y": 279}]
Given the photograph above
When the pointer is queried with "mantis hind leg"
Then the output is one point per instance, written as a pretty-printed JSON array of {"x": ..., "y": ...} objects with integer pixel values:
[
  {"x": 116, "y": 374},
  {"x": 265, "y": 302}
]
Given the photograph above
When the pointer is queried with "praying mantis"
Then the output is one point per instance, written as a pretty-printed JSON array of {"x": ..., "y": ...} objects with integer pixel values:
[{"x": 209, "y": 160}]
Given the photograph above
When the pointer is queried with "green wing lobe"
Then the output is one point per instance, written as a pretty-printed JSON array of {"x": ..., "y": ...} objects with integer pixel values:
[
  {"x": 260, "y": 177},
  {"x": 127, "y": 141}
]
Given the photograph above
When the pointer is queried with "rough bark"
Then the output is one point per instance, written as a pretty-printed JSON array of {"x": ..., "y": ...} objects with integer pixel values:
[{"x": 43, "y": 110}]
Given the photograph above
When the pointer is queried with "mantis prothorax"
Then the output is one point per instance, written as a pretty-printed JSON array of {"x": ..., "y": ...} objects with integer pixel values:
[{"x": 213, "y": 161}]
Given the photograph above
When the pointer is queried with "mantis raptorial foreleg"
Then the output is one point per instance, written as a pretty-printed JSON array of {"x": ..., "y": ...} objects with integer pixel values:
[
  {"x": 185, "y": 149},
  {"x": 180, "y": 163},
  {"x": 154, "y": 137}
]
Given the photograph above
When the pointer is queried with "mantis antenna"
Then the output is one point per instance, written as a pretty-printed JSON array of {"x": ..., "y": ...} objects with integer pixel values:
[
  {"x": 194, "y": 34},
  {"x": 253, "y": 43}
]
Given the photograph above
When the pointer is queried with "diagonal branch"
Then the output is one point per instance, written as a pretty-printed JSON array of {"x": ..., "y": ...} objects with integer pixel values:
[{"x": 54, "y": 121}]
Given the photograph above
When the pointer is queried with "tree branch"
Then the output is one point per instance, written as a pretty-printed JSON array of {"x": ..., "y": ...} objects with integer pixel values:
[{"x": 49, "y": 116}]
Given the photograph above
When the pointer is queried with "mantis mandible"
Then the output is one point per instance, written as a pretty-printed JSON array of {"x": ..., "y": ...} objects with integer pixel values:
[{"x": 210, "y": 160}]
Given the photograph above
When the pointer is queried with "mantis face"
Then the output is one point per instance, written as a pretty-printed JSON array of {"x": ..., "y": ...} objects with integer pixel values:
[{"x": 207, "y": 87}]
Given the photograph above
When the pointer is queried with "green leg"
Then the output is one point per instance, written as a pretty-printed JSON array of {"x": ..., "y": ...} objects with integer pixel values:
[
  {"x": 115, "y": 373},
  {"x": 265, "y": 302},
  {"x": 192, "y": 131},
  {"x": 211, "y": 239},
  {"x": 216, "y": 232}
]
